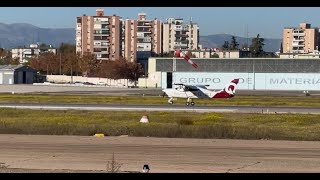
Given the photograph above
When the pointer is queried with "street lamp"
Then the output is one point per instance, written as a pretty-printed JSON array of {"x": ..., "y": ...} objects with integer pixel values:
[{"x": 145, "y": 74}]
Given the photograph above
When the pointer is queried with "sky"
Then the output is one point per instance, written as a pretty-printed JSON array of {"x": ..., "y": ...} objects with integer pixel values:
[{"x": 267, "y": 21}]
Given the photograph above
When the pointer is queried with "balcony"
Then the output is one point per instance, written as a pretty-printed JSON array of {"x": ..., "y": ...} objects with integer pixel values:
[
  {"x": 298, "y": 51},
  {"x": 143, "y": 30},
  {"x": 185, "y": 29},
  {"x": 143, "y": 24},
  {"x": 297, "y": 45},
  {"x": 101, "y": 22},
  {"x": 298, "y": 34},
  {"x": 181, "y": 35},
  {"x": 298, "y": 40},
  {"x": 178, "y": 28},
  {"x": 144, "y": 40}
]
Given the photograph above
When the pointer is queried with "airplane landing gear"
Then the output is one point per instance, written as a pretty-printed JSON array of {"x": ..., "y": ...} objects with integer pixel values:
[{"x": 188, "y": 102}]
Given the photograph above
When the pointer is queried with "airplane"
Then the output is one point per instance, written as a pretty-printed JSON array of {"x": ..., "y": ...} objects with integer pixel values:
[{"x": 191, "y": 92}]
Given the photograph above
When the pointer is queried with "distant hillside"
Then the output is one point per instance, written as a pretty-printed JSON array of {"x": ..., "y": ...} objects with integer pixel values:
[
  {"x": 217, "y": 40},
  {"x": 20, "y": 34}
]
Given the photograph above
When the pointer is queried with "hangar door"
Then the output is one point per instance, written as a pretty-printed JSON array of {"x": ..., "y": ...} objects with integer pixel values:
[{"x": 169, "y": 79}]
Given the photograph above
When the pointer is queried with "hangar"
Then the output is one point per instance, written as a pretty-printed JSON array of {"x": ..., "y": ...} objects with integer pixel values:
[
  {"x": 254, "y": 73},
  {"x": 16, "y": 74}
]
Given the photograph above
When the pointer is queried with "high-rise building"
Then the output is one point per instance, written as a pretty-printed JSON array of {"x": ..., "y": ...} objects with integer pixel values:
[
  {"x": 301, "y": 40},
  {"x": 142, "y": 38},
  {"x": 99, "y": 35},
  {"x": 179, "y": 35}
]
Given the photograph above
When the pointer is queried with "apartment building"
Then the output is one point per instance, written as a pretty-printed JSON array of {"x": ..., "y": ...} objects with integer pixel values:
[
  {"x": 24, "y": 53},
  {"x": 142, "y": 38},
  {"x": 99, "y": 35},
  {"x": 303, "y": 39},
  {"x": 179, "y": 35}
]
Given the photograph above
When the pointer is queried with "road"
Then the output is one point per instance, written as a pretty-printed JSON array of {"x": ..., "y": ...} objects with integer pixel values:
[
  {"x": 173, "y": 108},
  {"x": 161, "y": 154}
]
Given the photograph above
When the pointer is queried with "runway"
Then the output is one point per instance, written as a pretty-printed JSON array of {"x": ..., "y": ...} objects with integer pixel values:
[
  {"x": 161, "y": 154},
  {"x": 124, "y": 91},
  {"x": 172, "y": 108}
]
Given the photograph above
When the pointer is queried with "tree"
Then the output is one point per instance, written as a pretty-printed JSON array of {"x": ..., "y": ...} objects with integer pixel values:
[
  {"x": 257, "y": 46},
  {"x": 244, "y": 46},
  {"x": 170, "y": 54},
  {"x": 215, "y": 55},
  {"x": 67, "y": 48},
  {"x": 15, "y": 61},
  {"x": 3, "y": 53},
  {"x": 234, "y": 44},
  {"x": 281, "y": 48},
  {"x": 225, "y": 46},
  {"x": 43, "y": 46},
  {"x": 88, "y": 65},
  {"x": 134, "y": 71}
]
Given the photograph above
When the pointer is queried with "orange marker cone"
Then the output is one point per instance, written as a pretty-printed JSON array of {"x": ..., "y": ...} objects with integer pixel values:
[{"x": 144, "y": 119}]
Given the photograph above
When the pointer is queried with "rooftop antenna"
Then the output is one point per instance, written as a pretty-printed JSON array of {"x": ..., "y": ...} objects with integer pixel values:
[
  {"x": 32, "y": 38},
  {"x": 38, "y": 38},
  {"x": 247, "y": 36}
]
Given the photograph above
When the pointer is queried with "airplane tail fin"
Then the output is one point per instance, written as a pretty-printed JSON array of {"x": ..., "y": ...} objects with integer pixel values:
[
  {"x": 231, "y": 87},
  {"x": 228, "y": 91}
]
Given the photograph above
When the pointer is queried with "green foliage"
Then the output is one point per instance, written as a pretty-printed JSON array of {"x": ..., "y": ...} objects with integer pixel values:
[
  {"x": 215, "y": 55},
  {"x": 184, "y": 122},
  {"x": 257, "y": 46},
  {"x": 234, "y": 45},
  {"x": 226, "y": 46},
  {"x": 6, "y": 58}
]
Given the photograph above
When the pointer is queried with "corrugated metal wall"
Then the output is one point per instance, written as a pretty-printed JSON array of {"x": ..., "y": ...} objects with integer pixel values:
[{"x": 274, "y": 65}]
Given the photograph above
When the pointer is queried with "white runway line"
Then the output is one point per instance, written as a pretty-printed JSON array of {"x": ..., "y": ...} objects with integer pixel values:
[{"x": 117, "y": 108}]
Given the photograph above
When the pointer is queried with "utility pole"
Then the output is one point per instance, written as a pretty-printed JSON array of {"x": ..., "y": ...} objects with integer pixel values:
[
  {"x": 145, "y": 74},
  {"x": 71, "y": 75},
  {"x": 60, "y": 63}
]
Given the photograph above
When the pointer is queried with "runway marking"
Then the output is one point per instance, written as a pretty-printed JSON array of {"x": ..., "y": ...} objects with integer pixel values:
[
  {"x": 197, "y": 109},
  {"x": 119, "y": 108}
]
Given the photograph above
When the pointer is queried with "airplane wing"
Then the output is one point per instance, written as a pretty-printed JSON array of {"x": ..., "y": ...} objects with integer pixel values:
[{"x": 188, "y": 87}]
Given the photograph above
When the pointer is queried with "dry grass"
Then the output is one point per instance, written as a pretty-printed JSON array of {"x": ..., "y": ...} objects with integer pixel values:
[{"x": 162, "y": 124}]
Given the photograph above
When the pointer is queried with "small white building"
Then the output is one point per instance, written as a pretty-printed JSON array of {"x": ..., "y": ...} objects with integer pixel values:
[
  {"x": 300, "y": 56},
  {"x": 209, "y": 53},
  {"x": 34, "y": 49}
]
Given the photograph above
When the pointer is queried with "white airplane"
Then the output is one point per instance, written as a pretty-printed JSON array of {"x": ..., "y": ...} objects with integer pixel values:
[{"x": 199, "y": 91}]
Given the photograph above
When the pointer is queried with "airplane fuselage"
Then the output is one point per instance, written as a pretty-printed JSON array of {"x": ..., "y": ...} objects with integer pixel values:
[{"x": 188, "y": 94}]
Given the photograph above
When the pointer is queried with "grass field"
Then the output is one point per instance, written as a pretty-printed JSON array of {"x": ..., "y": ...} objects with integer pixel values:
[
  {"x": 311, "y": 101},
  {"x": 162, "y": 124}
]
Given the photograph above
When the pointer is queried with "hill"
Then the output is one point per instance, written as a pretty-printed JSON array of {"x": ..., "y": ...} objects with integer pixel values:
[{"x": 20, "y": 34}]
